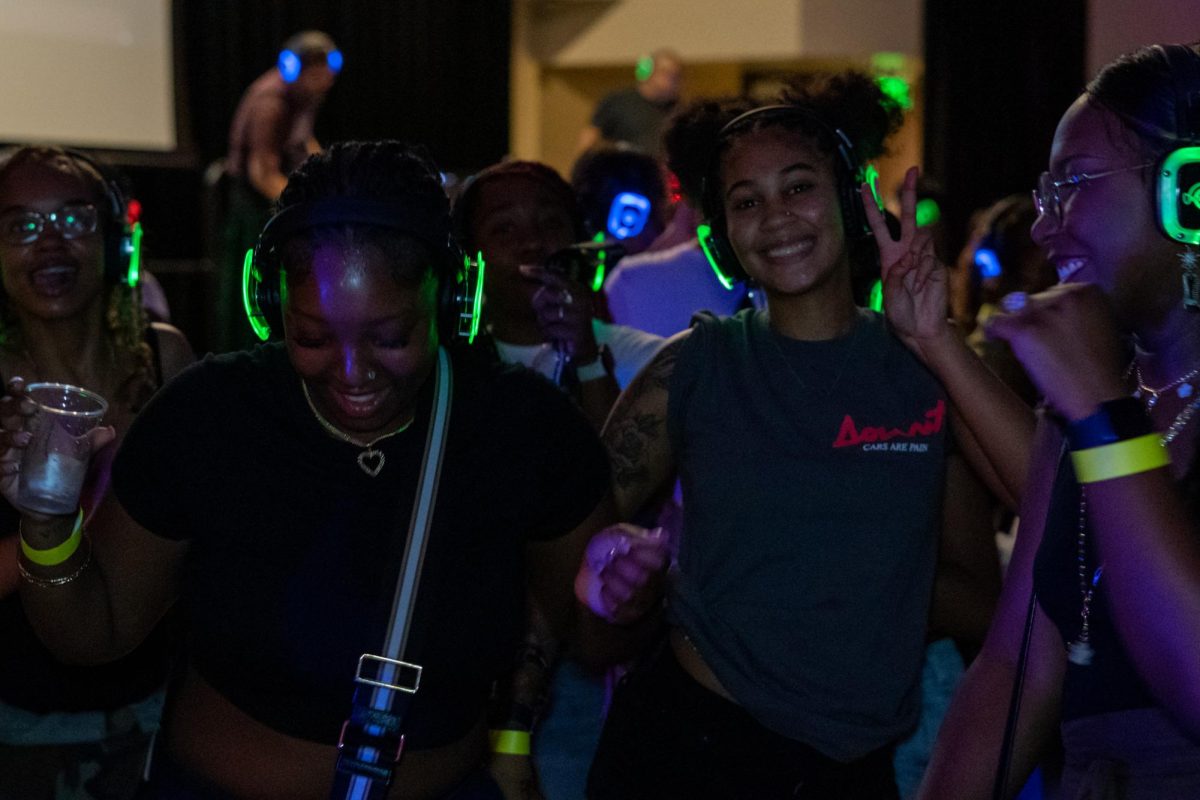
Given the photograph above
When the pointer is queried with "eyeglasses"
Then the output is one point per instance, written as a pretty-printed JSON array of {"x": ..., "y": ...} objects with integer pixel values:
[
  {"x": 1048, "y": 199},
  {"x": 71, "y": 221}
]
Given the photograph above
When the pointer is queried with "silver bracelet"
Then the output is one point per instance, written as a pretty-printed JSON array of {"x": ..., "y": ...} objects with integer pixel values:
[{"x": 38, "y": 580}]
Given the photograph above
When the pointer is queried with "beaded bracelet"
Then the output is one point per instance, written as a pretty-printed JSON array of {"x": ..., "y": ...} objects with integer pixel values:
[
  {"x": 509, "y": 742},
  {"x": 53, "y": 556},
  {"x": 1119, "y": 459}
]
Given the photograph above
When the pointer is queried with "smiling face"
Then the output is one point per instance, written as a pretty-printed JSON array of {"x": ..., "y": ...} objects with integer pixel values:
[
  {"x": 1107, "y": 235},
  {"x": 783, "y": 215},
  {"x": 51, "y": 277},
  {"x": 362, "y": 341}
]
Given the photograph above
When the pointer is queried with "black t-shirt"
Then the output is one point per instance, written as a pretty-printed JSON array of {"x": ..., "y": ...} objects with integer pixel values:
[
  {"x": 294, "y": 550},
  {"x": 626, "y": 116},
  {"x": 1111, "y": 682}
]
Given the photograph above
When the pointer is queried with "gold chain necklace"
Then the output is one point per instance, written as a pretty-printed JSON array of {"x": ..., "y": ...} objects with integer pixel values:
[{"x": 371, "y": 459}]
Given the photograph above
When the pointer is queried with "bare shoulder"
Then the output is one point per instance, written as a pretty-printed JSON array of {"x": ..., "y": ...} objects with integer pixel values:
[{"x": 174, "y": 350}]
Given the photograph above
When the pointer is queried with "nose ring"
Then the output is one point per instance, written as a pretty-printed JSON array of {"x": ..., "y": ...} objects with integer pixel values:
[{"x": 370, "y": 374}]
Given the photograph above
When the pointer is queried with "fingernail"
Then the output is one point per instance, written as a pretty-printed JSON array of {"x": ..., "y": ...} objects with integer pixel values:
[{"x": 657, "y": 533}]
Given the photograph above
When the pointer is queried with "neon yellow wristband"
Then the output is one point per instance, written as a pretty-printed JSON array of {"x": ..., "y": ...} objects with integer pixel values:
[
  {"x": 1116, "y": 460},
  {"x": 56, "y": 555},
  {"x": 511, "y": 743}
]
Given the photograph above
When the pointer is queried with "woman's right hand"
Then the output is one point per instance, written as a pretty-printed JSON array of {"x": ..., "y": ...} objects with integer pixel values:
[
  {"x": 915, "y": 282},
  {"x": 619, "y": 577}
]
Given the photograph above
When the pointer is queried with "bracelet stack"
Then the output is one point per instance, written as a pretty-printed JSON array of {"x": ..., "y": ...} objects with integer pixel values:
[
  {"x": 54, "y": 556},
  {"x": 1116, "y": 441}
]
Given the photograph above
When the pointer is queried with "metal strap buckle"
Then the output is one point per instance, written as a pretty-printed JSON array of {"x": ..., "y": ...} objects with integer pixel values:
[
  {"x": 373, "y": 744},
  {"x": 403, "y": 669}
]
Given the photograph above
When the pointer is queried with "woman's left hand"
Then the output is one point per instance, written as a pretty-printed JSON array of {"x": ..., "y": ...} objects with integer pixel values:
[
  {"x": 1066, "y": 339},
  {"x": 914, "y": 281},
  {"x": 564, "y": 313},
  {"x": 515, "y": 776}
]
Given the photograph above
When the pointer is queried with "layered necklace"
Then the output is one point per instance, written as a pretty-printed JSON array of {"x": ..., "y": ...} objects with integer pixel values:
[
  {"x": 371, "y": 459},
  {"x": 1080, "y": 650}
]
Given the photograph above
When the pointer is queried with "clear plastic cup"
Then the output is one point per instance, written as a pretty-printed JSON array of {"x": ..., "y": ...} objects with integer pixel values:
[{"x": 56, "y": 460}]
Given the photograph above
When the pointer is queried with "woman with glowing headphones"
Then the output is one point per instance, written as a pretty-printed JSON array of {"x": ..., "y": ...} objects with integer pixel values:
[
  {"x": 814, "y": 452},
  {"x": 1099, "y": 620},
  {"x": 70, "y": 312}
]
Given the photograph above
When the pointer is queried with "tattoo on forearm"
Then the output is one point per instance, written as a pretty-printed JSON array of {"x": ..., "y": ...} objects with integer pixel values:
[{"x": 627, "y": 441}]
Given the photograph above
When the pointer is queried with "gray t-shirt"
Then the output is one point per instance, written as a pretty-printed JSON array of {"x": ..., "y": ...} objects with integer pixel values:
[{"x": 812, "y": 483}]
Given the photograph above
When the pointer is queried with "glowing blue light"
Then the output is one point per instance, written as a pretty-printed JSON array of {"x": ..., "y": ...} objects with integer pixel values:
[
  {"x": 988, "y": 263},
  {"x": 289, "y": 66},
  {"x": 334, "y": 60},
  {"x": 628, "y": 215}
]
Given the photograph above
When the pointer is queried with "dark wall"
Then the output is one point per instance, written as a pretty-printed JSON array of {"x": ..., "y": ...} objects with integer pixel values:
[
  {"x": 998, "y": 77},
  {"x": 433, "y": 71},
  {"x": 428, "y": 71}
]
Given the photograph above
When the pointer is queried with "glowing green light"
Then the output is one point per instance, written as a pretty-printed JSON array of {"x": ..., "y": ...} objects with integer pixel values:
[
  {"x": 601, "y": 267},
  {"x": 644, "y": 68},
  {"x": 896, "y": 88},
  {"x": 477, "y": 305},
  {"x": 870, "y": 176},
  {"x": 1175, "y": 197},
  {"x": 250, "y": 281},
  {"x": 704, "y": 233},
  {"x": 135, "y": 256},
  {"x": 928, "y": 212},
  {"x": 875, "y": 303}
]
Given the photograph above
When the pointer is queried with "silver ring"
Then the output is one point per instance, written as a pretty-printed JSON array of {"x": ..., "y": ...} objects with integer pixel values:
[
  {"x": 370, "y": 374},
  {"x": 567, "y": 299}
]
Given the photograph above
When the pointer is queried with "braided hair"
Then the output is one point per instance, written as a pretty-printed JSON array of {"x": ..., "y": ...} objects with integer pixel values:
[{"x": 384, "y": 171}]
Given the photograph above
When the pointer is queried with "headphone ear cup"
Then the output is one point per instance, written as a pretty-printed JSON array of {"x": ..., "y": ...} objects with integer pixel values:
[
  {"x": 260, "y": 296},
  {"x": 719, "y": 253},
  {"x": 1178, "y": 195},
  {"x": 460, "y": 297}
]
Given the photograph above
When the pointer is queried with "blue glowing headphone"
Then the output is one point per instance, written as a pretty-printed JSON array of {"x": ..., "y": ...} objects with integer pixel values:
[
  {"x": 628, "y": 215},
  {"x": 308, "y": 43}
]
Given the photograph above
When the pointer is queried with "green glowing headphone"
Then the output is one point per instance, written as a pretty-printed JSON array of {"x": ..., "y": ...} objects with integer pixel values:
[
  {"x": 848, "y": 172},
  {"x": 460, "y": 277},
  {"x": 1177, "y": 193}
]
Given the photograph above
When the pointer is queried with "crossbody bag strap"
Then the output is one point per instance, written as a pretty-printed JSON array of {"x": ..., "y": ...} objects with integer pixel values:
[{"x": 372, "y": 740}]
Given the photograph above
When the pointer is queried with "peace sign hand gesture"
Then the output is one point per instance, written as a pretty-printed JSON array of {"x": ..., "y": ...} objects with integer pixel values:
[{"x": 914, "y": 281}]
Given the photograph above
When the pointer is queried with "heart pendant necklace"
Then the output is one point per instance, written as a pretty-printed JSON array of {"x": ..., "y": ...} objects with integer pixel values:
[{"x": 371, "y": 459}]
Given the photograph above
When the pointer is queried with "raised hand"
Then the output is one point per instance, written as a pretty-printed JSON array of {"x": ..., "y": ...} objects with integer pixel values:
[{"x": 915, "y": 283}]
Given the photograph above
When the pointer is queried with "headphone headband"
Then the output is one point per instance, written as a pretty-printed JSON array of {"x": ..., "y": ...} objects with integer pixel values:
[
  {"x": 426, "y": 224},
  {"x": 1184, "y": 66}
]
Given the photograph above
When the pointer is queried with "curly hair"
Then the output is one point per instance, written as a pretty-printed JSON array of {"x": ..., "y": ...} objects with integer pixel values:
[
  {"x": 690, "y": 138},
  {"x": 384, "y": 171},
  {"x": 126, "y": 321}
]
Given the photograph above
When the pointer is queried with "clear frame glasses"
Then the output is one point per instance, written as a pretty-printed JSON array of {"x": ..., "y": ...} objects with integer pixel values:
[
  {"x": 1048, "y": 197},
  {"x": 71, "y": 221}
]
